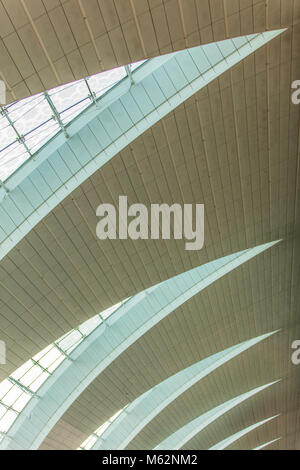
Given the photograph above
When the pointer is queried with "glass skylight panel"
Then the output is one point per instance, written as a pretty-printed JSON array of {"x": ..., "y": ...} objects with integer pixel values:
[
  {"x": 91, "y": 440},
  {"x": 69, "y": 114},
  {"x": 33, "y": 373},
  {"x": 49, "y": 358},
  {"x": 5, "y": 386},
  {"x": 39, "y": 380},
  {"x": 102, "y": 82},
  {"x": 42, "y": 353},
  {"x": 88, "y": 326},
  {"x": 36, "y": 121},
  {"x": 10, "y": 398},
  {"x": 3, "y": 410},
  {"x": 22, "y": 370},
  {"x": 114, "y": 417},
  {"x": 111, "y": 310},
  {"x": 28, "y": 118},
  {"x": 21, "y": 402},
  {"x": 66, "y": 96},
  {"x": 56, "y": 363},
  {"x": 68, "y": 342},
  {"x": 7, "y": 133},
  {"x": 7, "y": 420},
  {"x": 88, "y": 443},
  {"x": 136, "y": 65},
  {"x": 30, "y": 376},
  {"x": 103, "y": 428},
  {"x": 37, "y": 138},
  {"x": 11, "y": 158}
]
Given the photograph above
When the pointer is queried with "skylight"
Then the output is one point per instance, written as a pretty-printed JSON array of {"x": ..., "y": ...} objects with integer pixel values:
[
  {"x": 26, "y": 125},
  {"x": 22, "y": 385},
  {"x": 90, "y": 441}
]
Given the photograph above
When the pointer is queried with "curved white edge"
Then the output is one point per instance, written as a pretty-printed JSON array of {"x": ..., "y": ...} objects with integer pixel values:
[
  {"x": 107, "y": 342},
  {"x": 230, "y": 440},
  {"x": 183, "y": 435},
  {"x": 144, "y": 409},
  {"x": 87, "y": 150},
  {"x": 266, "y": 444}
]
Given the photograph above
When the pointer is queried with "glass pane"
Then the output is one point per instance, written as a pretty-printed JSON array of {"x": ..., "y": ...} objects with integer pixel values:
[
  {"x": 36, "y": 139},
  {"x": 36, "y": 384},
  {"x": 69, "y": 340},
  {"x": 88, "y": 444},
  {"x": 14, "y": 393},
  {"x": 22, "y": 370},
  {"x": 7, "y": 420},
  {"x": 7, "y": 133},
  {"x": 42, "y": 353},
  {"x": 31, "y": 375},
  {"x": 69, "y": 114},
  {"x": 50, "y": 357},
  {"x": 3, "y": 410},
  {"x": 19, "y": 108},
  {"x": 114, "y": 417},
  {"x": 5, "y": 386},
  {"x": 102, "y": 428},
  {"x": 56, "y": 363},
  {"x": 30, "y": 117},
  {"x": 136, "y": 65},
  {"x": 102, "y": 82},
  {"x": 88, "y": 326},
  {"x": 67, "y": 95},
  {"x": 111, "y": 310},
  {"x": 22, "y": 402},
  {"x": 11, "y": 158},
  {"x": 33, "y": 117}
]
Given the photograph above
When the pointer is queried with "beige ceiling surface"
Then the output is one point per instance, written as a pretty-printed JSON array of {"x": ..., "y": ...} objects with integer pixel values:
[
  {"x": 258, "y": 408},
  {"x": 226, "y": 383},
  {"x": 45, "y": 43},
  {"x": 234, "y": 146},
  {"x": 252, "y": 300}
]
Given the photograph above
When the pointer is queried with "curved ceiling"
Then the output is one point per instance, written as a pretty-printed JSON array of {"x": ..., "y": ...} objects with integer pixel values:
[
  {"x": 232, "y": 145},
  {"x": 47, "y": 43},
  {"x": 105, "y": 340}
]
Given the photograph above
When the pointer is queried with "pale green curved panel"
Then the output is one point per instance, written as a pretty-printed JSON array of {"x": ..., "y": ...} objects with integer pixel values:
[
  {"x": 141, "y": 411},
  {"x": 267, "y": 444},
  {"x": 110, "y": 339},
  {"x": 183, "y": 435},
  {"x": 229, "y": 440},
  {"x": 105, "y": 128}
]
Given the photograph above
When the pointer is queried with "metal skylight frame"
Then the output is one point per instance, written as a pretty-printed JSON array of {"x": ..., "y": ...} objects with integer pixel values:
[
  {"x": 24, "y": 383},
  {"x": 102, "y": 131},
  {"x": 93, "y": 438},
  {"x": 109, "y": 341},
  {"x": 54, "y": 117}
]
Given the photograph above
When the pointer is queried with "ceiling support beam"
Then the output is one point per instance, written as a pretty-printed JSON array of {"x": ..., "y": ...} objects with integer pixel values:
[{"x": 56, "y": 115}]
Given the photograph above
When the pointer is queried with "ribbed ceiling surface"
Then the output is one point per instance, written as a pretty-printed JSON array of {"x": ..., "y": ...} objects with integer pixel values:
[
  {"x": 45, "y": 43},
  {"x": 233, "y": 146}
]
